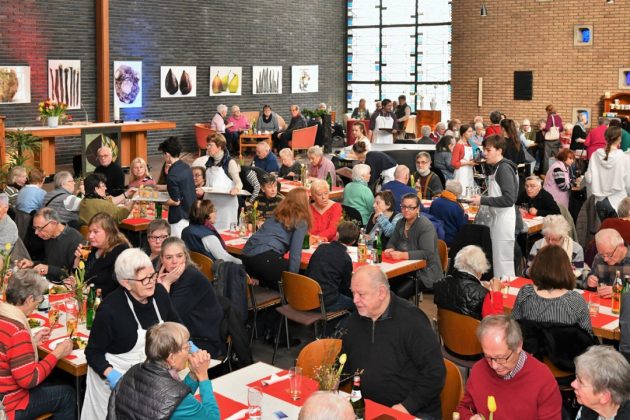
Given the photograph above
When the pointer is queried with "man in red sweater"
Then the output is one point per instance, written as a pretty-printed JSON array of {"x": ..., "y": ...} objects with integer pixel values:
[{"x": 522, "y": 387}]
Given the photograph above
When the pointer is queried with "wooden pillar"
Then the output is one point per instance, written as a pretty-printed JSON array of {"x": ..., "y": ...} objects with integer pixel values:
[
  {"x": 102, "y": 61},
  {"x": 3, "y": 143}
]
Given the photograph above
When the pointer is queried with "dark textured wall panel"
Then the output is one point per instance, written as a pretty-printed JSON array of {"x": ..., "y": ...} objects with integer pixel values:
[{"x": 198, "y": 33}]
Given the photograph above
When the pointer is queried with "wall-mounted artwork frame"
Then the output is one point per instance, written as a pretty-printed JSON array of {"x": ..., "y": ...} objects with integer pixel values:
[
  {"x": 178, "y": 81},
  {"x": 226, "y": 80},
  {"x": 15, "y": 84},
  {"x": 267, "y": 80},
  {"x": 624, "y": 78},
  {"x": 127, "y": 84},
  {"x": 304, "y": 79},
  {"x": 93, "y": 139},
  {"x": 64, "y": 82},
  {"x": 577, "y": 110},
  {"x": 582, "y": 35}
]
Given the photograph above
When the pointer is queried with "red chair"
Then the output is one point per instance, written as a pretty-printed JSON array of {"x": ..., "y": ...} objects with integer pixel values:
[
  {"x": 303, "y": 138},
  {"x": 202, "y": 131}
]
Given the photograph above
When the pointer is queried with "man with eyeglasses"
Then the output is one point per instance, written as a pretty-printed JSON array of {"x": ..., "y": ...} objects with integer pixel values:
[
  {"x": 113, "y": 172},
  {"x": 63, "y": 198},
  {"x": 297, "y": 121},
  {"x": 612, "y": 256},
  {"x": 522, "y": 386},
  {"x": 60, "y": 243}
]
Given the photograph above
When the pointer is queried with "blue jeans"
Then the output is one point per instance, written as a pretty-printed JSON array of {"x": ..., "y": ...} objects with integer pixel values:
[{"x": 56, "y": 399}]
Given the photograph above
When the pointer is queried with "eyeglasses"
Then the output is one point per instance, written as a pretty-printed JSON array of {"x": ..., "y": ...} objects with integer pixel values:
[
  {"x": 498, "y": 360},
  {"x": 157, "y": 238},
  {"x": 553, "y": 238},
  {"x": 609, "y": 255},
  {"x": 40, "y": 228},
  {"x": 410, "y": 208},
  {"x": 148, "y": 279},
  {"x": 422, "y": 162}
]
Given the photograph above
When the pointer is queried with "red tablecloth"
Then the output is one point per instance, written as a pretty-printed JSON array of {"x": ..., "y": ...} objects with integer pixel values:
[
  {"x": 280, "y": 389},
  {"x": 373, "y": 410}
]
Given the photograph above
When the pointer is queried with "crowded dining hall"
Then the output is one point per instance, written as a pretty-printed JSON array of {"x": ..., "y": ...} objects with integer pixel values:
[{"x": 369, "y": 227}]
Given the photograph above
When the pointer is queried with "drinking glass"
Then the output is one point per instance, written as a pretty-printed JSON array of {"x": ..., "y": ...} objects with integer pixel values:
[
  {"x": 295, "y": 382},
  {"x": 72, "y": 316},
  {"x": 593, "y": 304},
  {"x": 86, "y": 248},
  {"x": 254, "y": 402},
  {"x": 53, "y": 315},
  {"x": 234, "y": 227},
  {"x": 505, "y": 286}
]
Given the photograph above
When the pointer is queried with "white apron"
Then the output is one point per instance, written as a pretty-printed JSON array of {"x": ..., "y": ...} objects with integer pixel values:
[
  {"x": 97, "y": 389},
  {"x": 466, "y": 174},
  {"x": 383, "y": 137},
  {"x": 501, "y": 233},
  {"x": 226, "y": 204}
]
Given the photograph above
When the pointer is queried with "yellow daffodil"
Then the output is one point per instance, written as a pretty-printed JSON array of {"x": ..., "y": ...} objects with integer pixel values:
[
  {"x": 81, "y": 265},
  {"x": 492, "y": 405},
  {"x": 342, "y": 361},
  {"x": 7, "y": 246}
]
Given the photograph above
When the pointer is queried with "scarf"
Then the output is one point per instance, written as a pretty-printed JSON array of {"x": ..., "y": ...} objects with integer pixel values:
[
  {"x": 222, "y": 159},
  {"x": 13, "y": 312},
  {"x": 267, "y": 119},
  {"x": 567, "y": 245},
  {"x": 214, "y": 232}
]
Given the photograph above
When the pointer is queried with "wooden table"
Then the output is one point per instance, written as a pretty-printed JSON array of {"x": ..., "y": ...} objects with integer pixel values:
[
  {"x": 605, "y": 325},
  {"x": 133, "y": 141},
  {"x": 231, "y": 393},
  {"x": 287, "y": 185},
  {"x": 249, "y": 140},
  {"x": 392, "y": 268}
]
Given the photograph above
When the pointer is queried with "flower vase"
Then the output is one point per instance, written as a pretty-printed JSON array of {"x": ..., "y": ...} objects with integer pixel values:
[
  {"x": 433, "y": 104},
  {"x": 82, "y": 307},
  {"x": 53, "y": 121}
]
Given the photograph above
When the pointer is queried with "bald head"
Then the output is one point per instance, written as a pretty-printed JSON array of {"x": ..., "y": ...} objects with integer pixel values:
[
  {"x": 402, "y": 174},
  {"x": 326, "y": 405}
]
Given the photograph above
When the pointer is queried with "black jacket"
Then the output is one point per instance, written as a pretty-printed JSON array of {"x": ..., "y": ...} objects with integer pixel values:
[
  {"x": 146, "y": 391},
  {"x": 623, "y": 413},
  {"x": 460, "y": 292},
  {"x": 331, "y": 267},
  {"x": 180, "y": 186},
  {"x": 544, "y": 203}
]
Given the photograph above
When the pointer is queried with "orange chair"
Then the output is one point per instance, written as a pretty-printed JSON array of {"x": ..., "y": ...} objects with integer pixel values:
[
  {"x": 459, "y": 337},
  {"x": 453, "y": 389},
  {"x": 443, "y": 253},
  {"x": 202, "y": 131},
  {"x": 303, "y": 138},
  {"x": 318, "y": 353},
  {"x": 205, "y": 264}
]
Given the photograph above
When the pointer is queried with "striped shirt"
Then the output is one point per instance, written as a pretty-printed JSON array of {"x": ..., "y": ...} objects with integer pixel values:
[{"x": 568, "y": 309}]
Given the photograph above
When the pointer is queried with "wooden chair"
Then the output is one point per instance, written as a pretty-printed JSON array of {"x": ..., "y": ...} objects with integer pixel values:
[
  {"x": 281, "y": 122},
  {"x": 317, "y": 353},
  {"x": 303, "y": 138},
  {"x": 303, "y": 303},
  {"x": 204, "y": 262},
  {"x": 459, "y": 337},
  {"x": 453, "y": 389},
  {"x": 202, "y": 131},
  {"x": 259, "y": 298},
  {"x": 84, "y": 231},
  {"x": 443, "y": 253}
]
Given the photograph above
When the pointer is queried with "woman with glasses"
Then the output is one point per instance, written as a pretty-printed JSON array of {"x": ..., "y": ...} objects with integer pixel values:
[
  {"x": 24, "y": 395},
  {"x": 551, "y": 298},
  {"x": 199, "y": 178},
  {"x": 117, "y": 338},
  {"x": 556, "y": 231},
  {"x": 97, "y": 201},
  {"x": 536, "y": 201},
  {"x": 601, "y": 384},
  {"x": 192, "y": 296},
  {"x": 150, "y": 390},
  {"x": 106, "y": 243},
  {"x": 157, "y": 232}
]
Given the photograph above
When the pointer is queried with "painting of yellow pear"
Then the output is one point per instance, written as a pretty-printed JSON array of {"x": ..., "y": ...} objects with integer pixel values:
[{"x": 226, "y": 81}]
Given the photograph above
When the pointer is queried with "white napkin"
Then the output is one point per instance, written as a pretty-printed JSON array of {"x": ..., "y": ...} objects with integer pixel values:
[
  {"x": 238, "y": 415},
  {"x": 274, "y": 378}
]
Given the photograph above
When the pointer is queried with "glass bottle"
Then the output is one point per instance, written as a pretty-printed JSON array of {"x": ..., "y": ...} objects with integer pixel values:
[
  {"x": 89, "y": 316},
  {"x": 616, "y": 294},
  {"x": 361, "y": 247},
  {"x": 378, "y": 247},
  {"x": 356, "y": 398}
]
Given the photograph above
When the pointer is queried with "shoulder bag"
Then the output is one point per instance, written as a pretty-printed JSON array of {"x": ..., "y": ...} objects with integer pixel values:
[{"x": 554, "y": 132}]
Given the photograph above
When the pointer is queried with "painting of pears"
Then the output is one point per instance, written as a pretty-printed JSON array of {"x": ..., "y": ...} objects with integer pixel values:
[
  {"x": 225, "y": 81},
  {"x": 178, "y": 81}
]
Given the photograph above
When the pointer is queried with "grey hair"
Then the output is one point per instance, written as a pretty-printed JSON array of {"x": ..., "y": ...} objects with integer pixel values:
[
  {"x": 611, "y": 235},
  {"x": 509, "y": 327},
  {"x": 263, "y": 144},
  {"x": 472, "y": 259},
  {"x": 164, "y": 339},
  {"x": 556, "y": 224},
  {"x": 129, "y": 262},
  {"x": 401, "y": 172},
  {"x": 322, "y": 106},
  {"x": 315, "y": 151},
  {"x": 534, "y": 178},
  {"x": 4, "y": 199},
  {"x": 479, "y": 125},
  {"x": 319, "y": 185},
  {"x": 623, "y": 210},
  {"x": 235, "y": 107},
  {"x": 359, "y": 170},
  {"x": 425, "y": 130},
  {"x": 454, "y": 186},
  {"x": 61, "y": 178},
  {"x": 285, "y": 152},
  {"x": 375, "y": 274},
  {"x": 158, "y": 224},
  {"x": 49, "y": 214},
  {"x": 15, "y": 172},
  {"x": 111, "y": 152},
  {"x": 424, "y": 155},
  {"x": 607, "y": 370},
  {"x": 23, "y": 284},
  {"x": 221, "y": 108},
  {"x": 440, "y": 125},
  {"x": 323, "y": 405}
]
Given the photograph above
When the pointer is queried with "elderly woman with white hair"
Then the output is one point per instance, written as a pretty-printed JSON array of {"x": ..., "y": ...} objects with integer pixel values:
[
  {"x": 320, "y": 167},
  {"x": 357, "y": 194},
  {"x": 535, "y": 201},
  {"x": 463, "y": 292},
  {"x": 237, "y": 123},
  {"x": 117, "y": 338},
  {"x": 447, "y": 209},
  {"x": 601, "y": 384},
  {"x": 556, "y": 231},
  {"x": 218, "y": 121}
]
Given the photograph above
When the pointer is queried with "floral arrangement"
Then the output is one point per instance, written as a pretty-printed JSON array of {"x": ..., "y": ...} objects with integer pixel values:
[
  {"x": 5, "y": 260},
  {"x": 50, "y": 108},
  {"x": 328, "y": 375},
  {"x": 492, "y": 407}
]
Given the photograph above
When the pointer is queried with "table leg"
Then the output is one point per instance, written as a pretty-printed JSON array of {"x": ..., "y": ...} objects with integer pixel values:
[
  {"x": 139, "y": 145},
  {"x": 77, "y": 384}
]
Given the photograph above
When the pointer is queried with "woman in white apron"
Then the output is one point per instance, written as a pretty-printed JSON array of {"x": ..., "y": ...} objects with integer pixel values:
[
  {"x": 114, "y": 323},
  {"x": 463, "y": 158},
  {"x": 501, "y": 203},
  {"x": 386, "y": 121}
]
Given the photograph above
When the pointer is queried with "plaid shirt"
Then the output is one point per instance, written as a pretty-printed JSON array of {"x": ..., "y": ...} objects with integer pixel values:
[{"x": 606, "y": 273}]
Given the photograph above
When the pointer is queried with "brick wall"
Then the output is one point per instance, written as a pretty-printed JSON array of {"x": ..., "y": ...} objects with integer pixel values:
[
  {"x": 160, "y": 32},
  {"x": 531, "y": 35}
]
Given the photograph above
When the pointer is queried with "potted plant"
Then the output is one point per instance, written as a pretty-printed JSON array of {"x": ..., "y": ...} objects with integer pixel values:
[
  {"x": 324, "y": 131},
  {"x": 21, "y": 147},
  {"x": 52, "y": 111}
]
